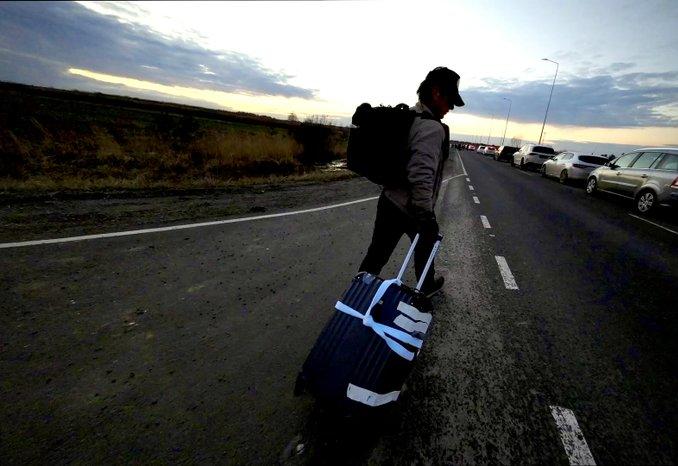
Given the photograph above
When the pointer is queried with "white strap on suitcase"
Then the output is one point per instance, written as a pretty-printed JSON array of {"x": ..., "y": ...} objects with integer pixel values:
[{"x": 411, "y": 319}]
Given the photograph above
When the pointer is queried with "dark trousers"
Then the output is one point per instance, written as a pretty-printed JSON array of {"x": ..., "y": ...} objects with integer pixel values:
[{"x": 390, "y": 225}]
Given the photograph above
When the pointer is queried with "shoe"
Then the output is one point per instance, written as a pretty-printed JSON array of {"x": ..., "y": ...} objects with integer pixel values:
[{"x": 437, "y": 285}]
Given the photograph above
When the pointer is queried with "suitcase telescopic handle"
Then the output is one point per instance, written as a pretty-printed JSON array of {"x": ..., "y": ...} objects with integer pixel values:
[{"x": 431, "y": 256}]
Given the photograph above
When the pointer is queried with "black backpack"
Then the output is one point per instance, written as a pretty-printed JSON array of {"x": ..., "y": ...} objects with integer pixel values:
[{"x": 378, "y": 143}]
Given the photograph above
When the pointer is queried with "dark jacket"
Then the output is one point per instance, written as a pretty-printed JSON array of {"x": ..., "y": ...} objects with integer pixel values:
[{"x": 425, "y": 169}]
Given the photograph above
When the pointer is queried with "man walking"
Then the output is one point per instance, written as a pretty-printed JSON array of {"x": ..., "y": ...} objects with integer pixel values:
[{"x": 410, "y": 209}]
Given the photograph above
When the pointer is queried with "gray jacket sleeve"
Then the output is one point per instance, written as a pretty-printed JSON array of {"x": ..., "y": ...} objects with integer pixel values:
[{"x": 426, "y": 141}]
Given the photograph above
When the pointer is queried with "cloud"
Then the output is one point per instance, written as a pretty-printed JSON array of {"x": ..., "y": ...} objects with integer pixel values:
[
  {"x": 626, "y": 100},
  {"x": 40, "y": 41},
  {"x": 594, "y": 147},
  {"x": 620, "y": 66}
]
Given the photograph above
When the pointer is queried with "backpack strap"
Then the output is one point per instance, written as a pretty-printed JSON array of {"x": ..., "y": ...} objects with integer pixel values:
[{"x": 446, "y": 142}]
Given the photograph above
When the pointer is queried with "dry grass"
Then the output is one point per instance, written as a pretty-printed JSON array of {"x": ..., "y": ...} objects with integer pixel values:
[
  {"x": 47, "y": 144},
  {"x": 231, "y": 153},
  {"x": 42, "y": 184},
  {"x": 97, "y": 160}
]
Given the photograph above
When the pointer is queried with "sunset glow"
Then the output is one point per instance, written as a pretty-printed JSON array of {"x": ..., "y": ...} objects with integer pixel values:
[{"x": 617, "y": 83}]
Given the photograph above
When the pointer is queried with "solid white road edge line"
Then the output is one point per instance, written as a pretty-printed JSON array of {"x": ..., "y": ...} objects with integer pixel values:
[
  {"x": 453, "y": 177},
  {"x": 509, "y": 280},
  {"x": 462, "y": 164},
  {"x": 572, "y": 437},
  {"x": 476, "y": 200},
  {"x": 486, "y": 222},
  {"x": 655, "y": 224},
  {"x": 71, "y": 239},
  {"x": 177, "y": 227}
]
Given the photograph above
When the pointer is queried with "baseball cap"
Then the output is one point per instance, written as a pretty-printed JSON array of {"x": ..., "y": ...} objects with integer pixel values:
[{"x": 447, "y": 80}]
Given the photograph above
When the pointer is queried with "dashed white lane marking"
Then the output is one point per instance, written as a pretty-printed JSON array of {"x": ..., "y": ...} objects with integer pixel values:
[
  {"x": 471, "y": 188},
  {"x": 509, "y": 280},
  {"x": 476, "y": 200},
  {"x": 468, "y": 179},
  {"x": 572, "y": 437},
  {"x": 116, "y": 234},
  {"x": 486, "y": 222},
  {"x": 655, "y": 224}
]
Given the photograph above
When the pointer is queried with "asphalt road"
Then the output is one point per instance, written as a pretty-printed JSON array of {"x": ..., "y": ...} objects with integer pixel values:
[{"x": 182, "y": 346}]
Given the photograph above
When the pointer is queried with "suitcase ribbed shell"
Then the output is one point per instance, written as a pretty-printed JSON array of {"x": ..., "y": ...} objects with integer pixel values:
[{"x": 349, "y": 352}]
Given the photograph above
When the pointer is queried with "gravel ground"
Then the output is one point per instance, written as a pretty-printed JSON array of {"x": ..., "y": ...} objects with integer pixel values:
[{"x": 23, "y": 219}]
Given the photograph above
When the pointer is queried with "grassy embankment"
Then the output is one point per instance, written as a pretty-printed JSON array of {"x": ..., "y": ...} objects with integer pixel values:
[{"x": 52, "y": 140}]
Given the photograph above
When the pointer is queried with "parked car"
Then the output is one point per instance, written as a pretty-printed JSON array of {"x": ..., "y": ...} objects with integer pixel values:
[
  {"x": 505, "y": 153},
  {"x": 572, "y": 166},
  {"x": 480, "y": 149},
  {"x": 532, "y": 155},
  {"x": 648, "y": 176},
  {"x": 490, "y": 150},
  {"x": 471, "y": 147}
]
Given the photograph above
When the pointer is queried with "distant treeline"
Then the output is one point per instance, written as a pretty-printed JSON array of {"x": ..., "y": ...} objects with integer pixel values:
[{"x": 62, "y": 138}]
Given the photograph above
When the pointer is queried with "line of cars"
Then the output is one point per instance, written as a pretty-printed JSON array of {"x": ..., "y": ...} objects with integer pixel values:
[
  {"x": 648, "y": 176},
  {"x": 481, "y": 149}
]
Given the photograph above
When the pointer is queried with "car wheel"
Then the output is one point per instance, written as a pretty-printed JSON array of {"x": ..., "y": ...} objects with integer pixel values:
[
  {"x": 646, "y": 201},
  {"x": 522, "y": 164},
  {"x": 543, "y": 171},
  {"x": 563, "y": 177},
  {"x": 591, "y": 186},
  {"x": 513, "y": 163}
]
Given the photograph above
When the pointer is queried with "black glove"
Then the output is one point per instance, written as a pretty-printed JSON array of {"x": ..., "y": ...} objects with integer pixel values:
[{"x": 427, "y": 225}]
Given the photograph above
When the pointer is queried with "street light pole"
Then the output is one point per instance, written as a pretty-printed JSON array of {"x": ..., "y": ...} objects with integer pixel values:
[
  {"x": 550, "y": 95},
  {"x": 507, "y": 117}
]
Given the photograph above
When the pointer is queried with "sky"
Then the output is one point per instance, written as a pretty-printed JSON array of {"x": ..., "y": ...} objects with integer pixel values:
[{"x": 616, "y": 86}]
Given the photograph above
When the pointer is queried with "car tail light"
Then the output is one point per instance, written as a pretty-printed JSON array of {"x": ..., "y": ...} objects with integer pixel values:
[
  {"x": 578, "y": 165},
  {"x": 675, "y": 183}
]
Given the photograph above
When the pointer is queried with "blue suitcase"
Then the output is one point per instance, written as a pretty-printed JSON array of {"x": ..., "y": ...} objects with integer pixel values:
[{"x": 367, "y": 349}]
